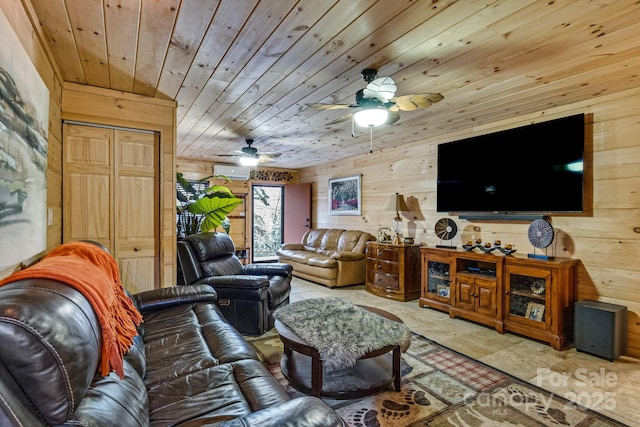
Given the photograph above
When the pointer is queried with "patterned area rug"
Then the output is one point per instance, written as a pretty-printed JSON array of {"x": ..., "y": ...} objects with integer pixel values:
[{"x": 441, "y": 387}]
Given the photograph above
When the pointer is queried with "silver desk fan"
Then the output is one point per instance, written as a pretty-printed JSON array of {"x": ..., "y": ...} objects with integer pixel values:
[
  {"x": 445, "y": 229},
  {"x": 540, "y": 235}
]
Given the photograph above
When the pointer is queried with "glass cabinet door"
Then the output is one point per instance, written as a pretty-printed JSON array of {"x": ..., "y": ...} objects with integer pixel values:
[
  {"x": 438, "y": 279},
  {"x": 527, "y": 294}
]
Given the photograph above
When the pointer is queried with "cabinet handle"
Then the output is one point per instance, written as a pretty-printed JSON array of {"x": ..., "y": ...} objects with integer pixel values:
[
  {"x": 136, "y": 249},
  {"x": 506, "y": 292}
]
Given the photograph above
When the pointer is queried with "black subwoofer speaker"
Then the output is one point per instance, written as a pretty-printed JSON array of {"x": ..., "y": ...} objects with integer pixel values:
[{"x": 600, "y": 328}]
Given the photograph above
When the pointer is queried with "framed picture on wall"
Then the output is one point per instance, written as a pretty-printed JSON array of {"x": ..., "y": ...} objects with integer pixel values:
[
  {"x": 24, "y": 130},
  {"x": 345, "y": 197}
]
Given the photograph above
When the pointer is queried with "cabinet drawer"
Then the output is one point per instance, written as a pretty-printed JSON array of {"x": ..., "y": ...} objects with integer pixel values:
[
  {"x": 383, "y": 253},
  {"x": 382, "y": 266},
  {"x": 384, "y": 281}
]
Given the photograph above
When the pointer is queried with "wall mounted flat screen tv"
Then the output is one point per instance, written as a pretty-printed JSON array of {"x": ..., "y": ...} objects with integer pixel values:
[{"x": 533, "y": 169}]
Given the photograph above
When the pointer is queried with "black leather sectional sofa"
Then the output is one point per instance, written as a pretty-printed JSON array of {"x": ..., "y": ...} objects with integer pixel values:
[{"x": 187, "y": 366}]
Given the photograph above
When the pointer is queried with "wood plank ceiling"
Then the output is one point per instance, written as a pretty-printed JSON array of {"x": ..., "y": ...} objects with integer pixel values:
[{"x": 247, "y": 68}]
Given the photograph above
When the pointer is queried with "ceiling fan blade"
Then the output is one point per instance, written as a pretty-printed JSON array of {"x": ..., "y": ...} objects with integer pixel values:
[
  {"x": 339, "y": 120},
  {"x": 328, "y": 106},
  {"x": 383, "y": 89},
  {"x": 269, "y": 155},
  {"x": 415, "y": 101}
]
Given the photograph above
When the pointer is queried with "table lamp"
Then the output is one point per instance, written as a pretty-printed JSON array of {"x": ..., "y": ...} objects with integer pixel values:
[{"x": 397, "y": 204}]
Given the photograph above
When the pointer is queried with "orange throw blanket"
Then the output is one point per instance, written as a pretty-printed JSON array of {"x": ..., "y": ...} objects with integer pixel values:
[{"x": 93, "y": 272}]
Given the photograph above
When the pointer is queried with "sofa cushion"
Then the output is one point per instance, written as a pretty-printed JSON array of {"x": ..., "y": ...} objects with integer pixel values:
[
  {"x": 322, "y": 261},
  {"x": 312, "y": 240},
  {"x": 217, "y": 257},
  {"x": 331, "y": 238},
  {"x": 300, "y": 256},
  {"x": 226, "y": 391},
  {"x": 111, "y": 395},
  {"x": 351, "y": 241},
  {"x": 227, "y": 266},
  {"x": 178, "y": 335}
]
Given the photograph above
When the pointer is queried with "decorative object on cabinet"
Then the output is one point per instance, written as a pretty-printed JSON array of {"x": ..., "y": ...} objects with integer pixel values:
[
  {"x": 397, "y": 204},
  {"x": 540, "y": 235},
  {"x": 345, "y": 196},
  {"x": 445, "y": 229},
  {"x": 393, "y": 271},
  {"x": 535, "y": 311},
  {"x": 526, "y": 296},
  {"x": 488, "y": 248},
  {"x": 383, "y": 235}
]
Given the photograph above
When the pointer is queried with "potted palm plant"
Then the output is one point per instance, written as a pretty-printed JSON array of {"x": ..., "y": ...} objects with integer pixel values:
[{"x": 201, "y": 208}]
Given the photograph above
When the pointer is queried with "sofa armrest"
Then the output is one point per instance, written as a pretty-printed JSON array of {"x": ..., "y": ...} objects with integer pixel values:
[
  {"x": 236, "y": 281},
  {"x": 292, "y": 246},
  {"x": 270, "y": 269},
  {"x": 305, "y": 411},
  {"x": 238, "y": 287},
  {"x": 347, "y": 256},
  {"x": 159, "y": 298}
]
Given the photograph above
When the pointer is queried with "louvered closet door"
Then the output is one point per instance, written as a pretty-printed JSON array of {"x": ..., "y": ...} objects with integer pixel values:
[{"x": 111, "y": 195}]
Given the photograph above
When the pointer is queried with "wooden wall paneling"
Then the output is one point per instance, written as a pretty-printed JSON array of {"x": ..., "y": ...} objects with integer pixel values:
[
  {"x": 189, "y": 26},
  {"x": 106, "y": 107},
  {"x": 153, "y": 44},
  {"x": 60, "y": 41},
  {"x": 605, "y": 241},
  {"x": 122, "y": 25},
  {"x": 197, "y": 92},
  {"x": 87, "y": 26}
]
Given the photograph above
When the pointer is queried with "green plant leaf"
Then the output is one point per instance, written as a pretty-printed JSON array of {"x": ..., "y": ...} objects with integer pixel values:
[{"x": 215, "y": 207}]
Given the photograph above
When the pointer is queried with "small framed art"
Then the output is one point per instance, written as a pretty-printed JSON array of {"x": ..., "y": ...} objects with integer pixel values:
[
  {"x": 535, "y": 311},
  {"x": 345, "y": 196},
  {"x": 443, "y": 291}
]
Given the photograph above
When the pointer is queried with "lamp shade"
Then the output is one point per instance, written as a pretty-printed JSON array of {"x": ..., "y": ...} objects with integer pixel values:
[
  {"x": 397, "y": 203},
  {"x": 371, "y": 117},
  {"x": 249, "y": 161}
]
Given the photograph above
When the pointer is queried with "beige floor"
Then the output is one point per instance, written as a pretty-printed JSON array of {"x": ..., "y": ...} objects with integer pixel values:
[{"x": 611, "y": 388}]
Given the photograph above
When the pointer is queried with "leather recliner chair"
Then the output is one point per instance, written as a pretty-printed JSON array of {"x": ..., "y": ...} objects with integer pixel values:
[{"x": 247, "y": 294}]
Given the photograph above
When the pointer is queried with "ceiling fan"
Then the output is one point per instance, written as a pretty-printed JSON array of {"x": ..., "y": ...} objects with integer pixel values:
[
  {"x": 377, "y": 104},
  {"x": 249, "y": 155}
]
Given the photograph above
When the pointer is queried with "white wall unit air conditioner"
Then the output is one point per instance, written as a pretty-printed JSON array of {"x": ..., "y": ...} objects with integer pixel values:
[{"x": 238, "y": 173}]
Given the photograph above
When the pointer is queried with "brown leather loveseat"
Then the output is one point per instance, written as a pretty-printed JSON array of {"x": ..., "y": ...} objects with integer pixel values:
[
  {"x": 329, "y": 256},
  {"x": 187, "y": 365}
]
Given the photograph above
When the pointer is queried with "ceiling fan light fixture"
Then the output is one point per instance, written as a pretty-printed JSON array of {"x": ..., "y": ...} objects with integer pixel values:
[
  {"x": 371, "y": 117},
  {"x": 248, "y": 161}
]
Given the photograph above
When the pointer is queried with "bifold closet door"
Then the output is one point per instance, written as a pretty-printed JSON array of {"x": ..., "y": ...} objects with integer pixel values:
[{"x": 111, "y": 195}]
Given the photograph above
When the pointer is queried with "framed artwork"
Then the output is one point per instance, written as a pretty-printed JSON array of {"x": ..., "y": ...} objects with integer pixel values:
[
  {"x": 535, "y": 311},
  {"x": 345, "y": 197},
  {"x": 24, "y": 121},
  {"x": 443, "y": 291}
]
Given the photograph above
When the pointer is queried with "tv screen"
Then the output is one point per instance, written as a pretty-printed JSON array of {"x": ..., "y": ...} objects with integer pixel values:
[{"x": 534, "y": 169}]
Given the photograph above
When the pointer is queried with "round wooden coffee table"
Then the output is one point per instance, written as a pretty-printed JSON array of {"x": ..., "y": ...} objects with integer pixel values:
[{"x": 373, "y": 372}]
